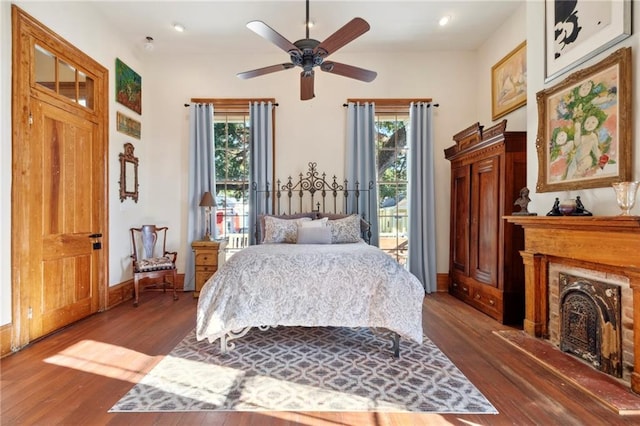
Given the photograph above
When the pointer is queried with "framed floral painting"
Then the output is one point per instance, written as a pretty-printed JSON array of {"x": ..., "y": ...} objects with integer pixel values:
[{"x": 584, "y": 127}]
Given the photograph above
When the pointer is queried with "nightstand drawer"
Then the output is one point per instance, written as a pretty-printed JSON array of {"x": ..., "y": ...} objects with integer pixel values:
[
  {"x": 204, "y": 268},
  {"x": 207, "y": 258},
  {"x": 202, "y": 277}
]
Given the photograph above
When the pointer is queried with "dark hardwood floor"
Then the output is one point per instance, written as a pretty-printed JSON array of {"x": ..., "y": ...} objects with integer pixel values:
[{"x": 74, "y": 376}]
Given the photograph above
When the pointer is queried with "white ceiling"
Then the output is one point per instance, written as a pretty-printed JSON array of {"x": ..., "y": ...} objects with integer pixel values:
[{"x": 217, "y": 26}]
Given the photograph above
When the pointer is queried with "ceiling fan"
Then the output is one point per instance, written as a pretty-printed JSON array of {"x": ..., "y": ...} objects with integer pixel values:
[{"x": 308, "y": 53}]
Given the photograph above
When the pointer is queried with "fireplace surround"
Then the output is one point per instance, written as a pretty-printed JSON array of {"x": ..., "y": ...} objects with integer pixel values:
[{"x": 599, "y": 243}]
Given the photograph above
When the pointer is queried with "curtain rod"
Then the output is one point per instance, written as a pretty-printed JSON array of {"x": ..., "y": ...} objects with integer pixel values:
[
  {"x": 428, "y": 105},
  {"x": 187, "y": 105}
]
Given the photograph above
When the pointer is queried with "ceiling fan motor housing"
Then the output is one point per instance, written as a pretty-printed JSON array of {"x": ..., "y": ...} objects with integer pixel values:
[{"x": 305, "y": 56}]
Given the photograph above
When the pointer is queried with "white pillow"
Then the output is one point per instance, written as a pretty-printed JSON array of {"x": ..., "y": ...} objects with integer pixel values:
[
  {"x": 282, "y": 230},
  {"x": 314, "y": 235},
  {"x": 346, "y": 230},
  {"x": 318, "y": 223}
]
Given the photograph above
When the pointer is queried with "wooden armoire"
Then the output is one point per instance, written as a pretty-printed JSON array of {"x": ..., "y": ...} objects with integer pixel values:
[{"x": 488, "y": 170}]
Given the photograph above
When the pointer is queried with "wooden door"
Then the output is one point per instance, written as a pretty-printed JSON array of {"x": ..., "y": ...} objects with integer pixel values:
[
  {"x": 59, "y": 190},
  {"x": 485, "y": 214},
  {"x": 67, "y": 220}
]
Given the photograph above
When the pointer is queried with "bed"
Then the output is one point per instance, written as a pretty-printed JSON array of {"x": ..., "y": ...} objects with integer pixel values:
[{"x": 315, "y": 270}]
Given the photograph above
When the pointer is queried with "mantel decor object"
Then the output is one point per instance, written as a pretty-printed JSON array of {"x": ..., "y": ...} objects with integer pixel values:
[
  {"x": 569, "y": 207},
  {"x": 626, "y": 195},
  {"x": 523, "y": 201}
]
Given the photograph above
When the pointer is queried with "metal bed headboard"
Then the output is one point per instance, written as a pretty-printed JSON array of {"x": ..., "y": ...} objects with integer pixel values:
[{"x": 312, "y": 192}]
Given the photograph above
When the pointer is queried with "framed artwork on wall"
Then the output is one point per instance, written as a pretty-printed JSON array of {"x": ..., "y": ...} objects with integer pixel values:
[
  {"x": 509, "y": 82},
  {"x": 584, "y": 127},
  {"x": 128, "y": 87},
  {"x": 576, "y": 31},
  {"x": 128, "y": 173},
  {"x": 127, "y": 125}
]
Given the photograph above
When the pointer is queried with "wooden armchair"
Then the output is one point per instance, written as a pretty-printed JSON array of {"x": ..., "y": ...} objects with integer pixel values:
[{"x": 151, "y": 260}]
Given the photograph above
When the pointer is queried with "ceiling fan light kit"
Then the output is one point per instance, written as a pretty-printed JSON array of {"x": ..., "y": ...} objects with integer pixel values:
[{"x": 308, "y": 53}]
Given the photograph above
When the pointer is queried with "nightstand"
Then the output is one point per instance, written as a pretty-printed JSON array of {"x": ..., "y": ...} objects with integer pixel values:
[{"x": 207, "y": 258}]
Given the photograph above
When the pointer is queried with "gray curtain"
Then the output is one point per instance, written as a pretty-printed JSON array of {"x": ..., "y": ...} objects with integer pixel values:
[
  {"x": 361, "y": 162},
  {"x": 422, "y": 228},
  {"x": 261, "y": 160},
  {"x": 202, "y": 178}
]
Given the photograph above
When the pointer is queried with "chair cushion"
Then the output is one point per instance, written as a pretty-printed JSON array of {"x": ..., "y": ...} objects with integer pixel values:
[{"x": 154, "y": 264}]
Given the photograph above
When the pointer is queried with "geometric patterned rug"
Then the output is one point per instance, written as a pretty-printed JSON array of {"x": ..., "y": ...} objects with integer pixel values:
[{"x": 305, "y": 369}]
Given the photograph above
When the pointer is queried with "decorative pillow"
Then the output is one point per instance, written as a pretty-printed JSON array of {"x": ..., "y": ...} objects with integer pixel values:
[
  {"x": 318, "y": 223},
  {"x": 261, "y": 230},
  {"x": 281, "y": 230},
  {"x": 364, "y": 225},
  {"x": 314, "y": 235},
  {"x": 346, "y": 230}
]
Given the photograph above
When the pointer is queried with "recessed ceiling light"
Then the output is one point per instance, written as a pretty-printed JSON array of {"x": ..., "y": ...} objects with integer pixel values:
[
  {"x": 178, "y": 27},
  {"x": 444, "y": 20},
  {"x": 148, "y": 44}
]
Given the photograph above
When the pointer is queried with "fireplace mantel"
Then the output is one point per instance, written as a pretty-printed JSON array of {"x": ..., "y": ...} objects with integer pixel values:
[{"x": 594, "y": 242}]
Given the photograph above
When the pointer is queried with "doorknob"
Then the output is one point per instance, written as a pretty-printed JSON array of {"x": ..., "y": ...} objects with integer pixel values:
[{"x": 97, "y": 245}]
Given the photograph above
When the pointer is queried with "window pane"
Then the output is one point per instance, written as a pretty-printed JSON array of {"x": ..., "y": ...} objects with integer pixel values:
[
  {"x": 67, "y": 80},
  {"x": 231, "y": 132},
  {"x": 45, "y": 68},
  {"x": 391, "y": 160}
]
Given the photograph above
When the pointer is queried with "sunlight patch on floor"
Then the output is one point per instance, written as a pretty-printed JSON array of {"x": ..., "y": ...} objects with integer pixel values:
[{"x": 106, "y": 360}]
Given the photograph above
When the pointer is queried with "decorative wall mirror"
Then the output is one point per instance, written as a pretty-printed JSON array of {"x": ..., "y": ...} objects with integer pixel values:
[{"x": 128, "y": 174}]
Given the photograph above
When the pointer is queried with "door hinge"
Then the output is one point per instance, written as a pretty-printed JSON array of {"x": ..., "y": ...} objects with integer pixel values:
[
  {"x": 30, "y": 119},
  {"x": 30, "y": 313}
]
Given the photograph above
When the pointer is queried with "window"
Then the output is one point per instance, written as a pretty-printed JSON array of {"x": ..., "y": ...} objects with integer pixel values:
[
  {"x": 62, "y": 77},
  {"x": 232, "y": 162},
  {"x": 392, "y": 151},
  {"x": 231, "y": 136},
  {"x": 391, "y": 160}
]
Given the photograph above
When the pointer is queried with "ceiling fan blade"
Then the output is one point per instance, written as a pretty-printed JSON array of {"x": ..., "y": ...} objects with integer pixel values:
[
  {"x": 265, "y": 70},
  {"x": 349, "y": 32},
  {"x": 348, "y": 71},
  {"x": 265, "y": 31},
  {"x": 306, "y": 85}
]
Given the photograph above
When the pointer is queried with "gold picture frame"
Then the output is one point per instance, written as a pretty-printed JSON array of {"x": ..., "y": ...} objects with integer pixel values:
[
  {"x": 584, "y": 127},
  {"x": 509, "y": 82},
  {"x": 127, "y": 125}
]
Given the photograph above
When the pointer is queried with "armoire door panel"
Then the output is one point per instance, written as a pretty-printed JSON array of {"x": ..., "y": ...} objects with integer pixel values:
[
  {"x": 460, "y": 220},
  {"x": 485, "y": 211}
]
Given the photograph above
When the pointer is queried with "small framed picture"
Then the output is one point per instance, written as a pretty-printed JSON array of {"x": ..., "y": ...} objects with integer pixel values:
[
  {"x": 127, "y": 125},
  {"x": 509, "y": 82},
  {"x": 584, "y": 127}
]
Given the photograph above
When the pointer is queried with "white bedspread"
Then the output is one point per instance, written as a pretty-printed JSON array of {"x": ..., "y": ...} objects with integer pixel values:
[{"x": 342, "y": 285}]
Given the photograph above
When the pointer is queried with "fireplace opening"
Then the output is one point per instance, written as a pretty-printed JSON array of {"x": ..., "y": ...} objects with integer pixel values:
[{"x": 590, "y": 322}]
